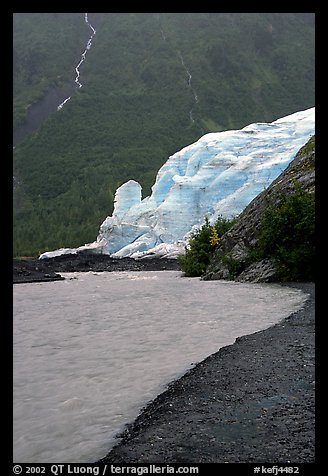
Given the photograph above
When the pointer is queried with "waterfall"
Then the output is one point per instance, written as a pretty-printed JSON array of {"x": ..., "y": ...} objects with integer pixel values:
[
  {"x": 196, "y": 100},
  {"x": 77, "y": 68},
  {"x": 189, "y": 85}
]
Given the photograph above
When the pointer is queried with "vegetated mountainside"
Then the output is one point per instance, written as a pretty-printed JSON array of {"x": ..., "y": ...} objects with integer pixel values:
[
  {"x": 152, "y": 83},
  {"x": 46, "y": 47},
  {"x": 234, "y": 257}
]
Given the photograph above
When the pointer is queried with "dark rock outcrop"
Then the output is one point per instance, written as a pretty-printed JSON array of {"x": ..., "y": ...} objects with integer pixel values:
[{"x": 243, "y": 236}]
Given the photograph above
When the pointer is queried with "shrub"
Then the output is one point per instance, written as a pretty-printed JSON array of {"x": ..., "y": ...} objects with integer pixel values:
[
  {"x": 201, "y": 246},
  {"x": 234, "y": 266},
  {"x": 287, "y": 236}
]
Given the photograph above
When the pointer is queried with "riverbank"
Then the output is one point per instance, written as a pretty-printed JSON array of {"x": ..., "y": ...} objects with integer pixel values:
[
  {"x": 33, "y": 270},
  {"x": 251, "y": 402}
]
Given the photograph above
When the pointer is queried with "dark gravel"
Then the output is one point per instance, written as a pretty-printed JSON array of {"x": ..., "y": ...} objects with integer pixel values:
[
  {"x": 251, "y": 402},
  {"x": 49, "y": 269}
]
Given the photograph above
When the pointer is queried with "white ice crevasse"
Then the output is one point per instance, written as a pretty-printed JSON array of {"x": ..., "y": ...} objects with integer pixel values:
[{"x": 217, "y": 175}]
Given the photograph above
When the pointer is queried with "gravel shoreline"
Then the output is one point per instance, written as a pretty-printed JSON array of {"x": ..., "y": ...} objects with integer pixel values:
[
  {"x": 251, "y": 402},
  {"x": 34, "y": 270}
]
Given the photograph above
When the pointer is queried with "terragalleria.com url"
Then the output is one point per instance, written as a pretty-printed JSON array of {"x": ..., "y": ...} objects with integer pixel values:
[
  {"x": 62, "y": 469},
  {"x": 153, "y": 469},
  {"x": 95, "y": 470}
]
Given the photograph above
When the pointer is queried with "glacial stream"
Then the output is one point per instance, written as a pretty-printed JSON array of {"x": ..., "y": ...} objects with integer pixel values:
[{"x": 92, "y": 350}]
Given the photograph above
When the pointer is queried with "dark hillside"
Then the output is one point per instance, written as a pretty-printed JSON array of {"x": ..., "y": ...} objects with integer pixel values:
[{"x": 45, "y": 49}]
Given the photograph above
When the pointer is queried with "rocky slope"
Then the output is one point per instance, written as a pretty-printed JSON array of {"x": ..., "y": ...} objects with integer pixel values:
[{"x": 236, "y": 244}]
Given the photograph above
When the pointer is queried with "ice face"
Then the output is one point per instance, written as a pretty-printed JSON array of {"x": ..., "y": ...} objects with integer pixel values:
[{"x": 217, "y": 175}]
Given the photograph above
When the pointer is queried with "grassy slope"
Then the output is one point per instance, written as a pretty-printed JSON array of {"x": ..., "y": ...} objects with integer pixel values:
[{"x": 134, "y": 108}]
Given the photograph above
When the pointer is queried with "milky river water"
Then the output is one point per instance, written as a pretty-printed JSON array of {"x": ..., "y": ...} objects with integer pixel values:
[{"x": 92, "y": 350}]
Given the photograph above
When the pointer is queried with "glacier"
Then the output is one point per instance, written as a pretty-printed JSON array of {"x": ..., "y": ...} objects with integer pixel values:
[{"x": 219, "y": 174}]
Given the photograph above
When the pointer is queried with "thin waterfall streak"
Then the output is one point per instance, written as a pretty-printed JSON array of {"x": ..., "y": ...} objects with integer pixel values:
[
  {"x": 191, "y": 118},
  {"x": 189, "y": 77},
  {"x": 63, "y": 103},
  {"x": 163, "y": 35},
  {"x": 88, "y": 46},
  {"x": 77, "y": 68},
  {"x": 87, "y": 21},
  {"x": 189, "y": 86}
]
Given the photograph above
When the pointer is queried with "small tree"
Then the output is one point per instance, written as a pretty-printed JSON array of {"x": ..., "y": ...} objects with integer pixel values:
[
  {"x": 201, "y": 246},
  {"x": 214, "y": 238}
]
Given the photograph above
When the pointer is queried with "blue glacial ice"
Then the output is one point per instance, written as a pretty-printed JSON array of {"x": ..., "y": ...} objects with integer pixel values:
[{"x": 217, "y": 175}]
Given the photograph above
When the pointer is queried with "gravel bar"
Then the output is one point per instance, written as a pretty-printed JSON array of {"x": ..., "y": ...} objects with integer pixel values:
[{"x": 251, "y": 402}]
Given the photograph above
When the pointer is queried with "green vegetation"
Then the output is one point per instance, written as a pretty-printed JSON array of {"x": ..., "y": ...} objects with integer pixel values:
[
  {"x": 45, "y": 51},
  {"x": 201, "y": 246},
  {"x": 133, "y": 110},
  {"x": 287, "y": 235},
  {"x": 233, "y": 265},
  {"x": 309, "y": 148}
]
